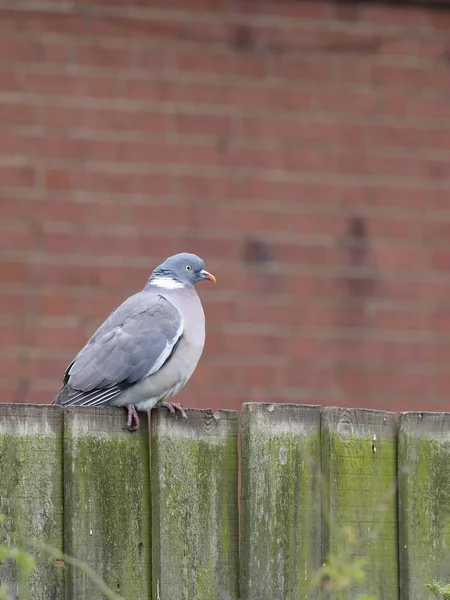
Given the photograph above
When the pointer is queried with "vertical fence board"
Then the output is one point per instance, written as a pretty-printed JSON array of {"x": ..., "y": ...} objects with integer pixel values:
[
  {"x": 424, "y": 502},
  {"x": 107, "y": 518},
  {"x": 195, "y": 511},
  {"x": 280, "y": 518},
  {"x": 31, "y": 495},
  {"x": 359, "y": 462}
]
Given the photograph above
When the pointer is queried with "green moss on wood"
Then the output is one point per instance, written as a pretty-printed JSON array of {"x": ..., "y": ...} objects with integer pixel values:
[
  {"x": 280, "y": 548},
  {"x": 107, "y": 504},
  {"x": 360, "y": 493},
  {"x": 194, "y": 489},
  {"x": 424, "y": 495},
  {"x": 31, "y": 495}
]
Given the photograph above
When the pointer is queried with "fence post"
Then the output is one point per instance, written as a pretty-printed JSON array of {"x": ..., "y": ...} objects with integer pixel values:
[
  {"x": 195, "y": 511},
  {"x": 424, "y": 502},
  {"x": 106, "y": 525},
  {"x": 359, "y": 463},
  {"x": 31, "y": 495},
  {"x": 280, "y": 509}
]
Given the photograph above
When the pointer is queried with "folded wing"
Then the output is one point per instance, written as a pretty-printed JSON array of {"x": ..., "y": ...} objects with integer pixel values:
[{"x": 133, "y": 343}]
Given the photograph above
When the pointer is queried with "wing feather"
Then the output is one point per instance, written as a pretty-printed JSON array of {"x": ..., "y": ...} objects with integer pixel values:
[{"x": 134, "y": 342}]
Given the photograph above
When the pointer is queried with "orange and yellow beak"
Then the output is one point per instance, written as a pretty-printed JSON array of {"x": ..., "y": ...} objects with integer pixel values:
[{"x": 206, "y": 275}]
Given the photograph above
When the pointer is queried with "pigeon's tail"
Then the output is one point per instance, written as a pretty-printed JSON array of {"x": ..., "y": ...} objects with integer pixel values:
[
  {"x": 61, "y": 397},
  {"x": 68, "y": 395}
]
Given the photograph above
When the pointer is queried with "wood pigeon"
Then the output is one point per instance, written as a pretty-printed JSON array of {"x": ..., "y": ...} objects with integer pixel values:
[{"x": 147, "y": 349}]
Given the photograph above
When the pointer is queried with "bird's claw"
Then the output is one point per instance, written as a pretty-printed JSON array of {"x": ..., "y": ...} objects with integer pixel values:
[
  {"x": 132, "y": 415},
  {"x": 172, "y": 407}
]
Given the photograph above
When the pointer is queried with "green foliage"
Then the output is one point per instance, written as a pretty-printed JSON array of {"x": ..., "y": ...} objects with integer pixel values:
[
  {"x": 25, "y": 563},
  {"x": 340, "y": 574},
  {"x": 439, "y": 590}
]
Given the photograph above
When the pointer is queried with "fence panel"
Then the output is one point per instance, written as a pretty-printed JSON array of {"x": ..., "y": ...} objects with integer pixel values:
[
  {"x": 195, "y": 509},
  {"x": 107, "y": 512},
  {"x": 31, "y": 502},
  {"x": 280, "y": 521},
  {"x": 359, "y": 462},
  {"x": 424, "y": 502}
]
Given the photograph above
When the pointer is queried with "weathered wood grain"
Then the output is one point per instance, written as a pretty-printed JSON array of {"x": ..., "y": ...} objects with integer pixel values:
[
  {"x": 280, "y": 508},
  {"x": 424, "y": 502},
  {"x": 107, "y": 510},
  {"x": 31, "y": 495},
  {"x": 195, "y": 510},
  {"x": 359, "y": 462}
]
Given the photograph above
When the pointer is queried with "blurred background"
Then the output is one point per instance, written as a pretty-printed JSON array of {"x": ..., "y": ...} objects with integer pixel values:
[{"x": 301, "y": 148}]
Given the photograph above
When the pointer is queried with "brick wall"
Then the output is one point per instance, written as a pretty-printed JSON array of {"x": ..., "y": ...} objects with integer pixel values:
[{"x": 302, "y": 148}]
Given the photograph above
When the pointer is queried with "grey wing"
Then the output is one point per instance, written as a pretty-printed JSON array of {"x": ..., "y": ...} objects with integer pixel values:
[{"x": 134, "y": 342}]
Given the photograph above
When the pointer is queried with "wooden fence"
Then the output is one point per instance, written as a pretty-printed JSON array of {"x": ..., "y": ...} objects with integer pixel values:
[{"x": 161, "y": 521}]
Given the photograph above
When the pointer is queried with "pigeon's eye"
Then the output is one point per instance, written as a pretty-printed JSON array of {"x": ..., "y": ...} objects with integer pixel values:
[{"x": 188, "y": 267}]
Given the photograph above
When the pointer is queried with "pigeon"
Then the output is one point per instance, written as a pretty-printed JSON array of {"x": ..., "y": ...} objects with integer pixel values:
[{"x": 147, "y": 349}]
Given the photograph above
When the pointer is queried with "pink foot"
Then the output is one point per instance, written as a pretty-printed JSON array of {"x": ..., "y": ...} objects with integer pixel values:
[
  {"x": 132, "y": 415},
  {"x": 173, "y": 406}
]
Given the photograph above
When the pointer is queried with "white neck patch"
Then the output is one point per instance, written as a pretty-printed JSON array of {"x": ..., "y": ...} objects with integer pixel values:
[{"x": 167, "y": 282}]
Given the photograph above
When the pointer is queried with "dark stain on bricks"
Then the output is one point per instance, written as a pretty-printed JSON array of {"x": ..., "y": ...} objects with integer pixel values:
[
  {"x": 370, "y": 45},
  {"x": 243, "y": 38},
  {"x": 360, "y": 284},
  {"x": 256, "y": 252}
]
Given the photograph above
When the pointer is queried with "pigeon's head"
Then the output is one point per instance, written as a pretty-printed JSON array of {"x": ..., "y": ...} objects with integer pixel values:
[{"x": 180, "y": 270}]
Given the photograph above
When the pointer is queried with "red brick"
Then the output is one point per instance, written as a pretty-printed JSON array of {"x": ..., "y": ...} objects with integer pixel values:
[
  {"x": 264, "y": 96},
  {"x": 268, "y": 313},
  {"x": 58, "y": 179},
  {"x": 46, "y": 335},
  {"x": 301, "y": 68},
  {"x": 429, "y": 106},
  {"x": 440, "y": 139},
  {"x": 48, "y": 368},
  {"x": 252, "y": 344},
  {"x": 89, "y": 118},
  {"x": 198, "y": 61},
  {"x": 37, "y": 395},
  {"x": 398, "y": 76},
  {"x": 303, "y": 376},
  {"x": 392, "y": 136},
  {"x": 262, "y": 376},
  {"x": 152, "y": 152},
  {"x": 10, "y": 366},
  {"x": 394, "y": 103},
  {"x": 11, "y": 335},
  {"x": 57, "y": 22},
  {"x": 411, "y": 17},
  {"x": 12, "y": 272},
  {"x": 349, "y": 102},
  {"x": 9, "y": 80},
  {"x": 12, "y": 114},
  {"x": 26, "y": 50},
  {"x": 17, "y": 176},
  {"x": 399, "y": 319},
  {"x": 73, "y": 86},
  {"x": 219, "y": 311},
  {"x": 227, "y": 248},
  {"x": 56, "y": 304},
  {"x": 201, "y": 124},
  {"x": 199, "y": 186},
  {"x": 99, "y": 55},
  {"x": 260, "y": 154},
  {"x": 250, "y": 64},
  {"x": 14, "y": 303},
  {"x": 96, "y": 304},
  {"x": 153, "y": 216},
  {"x": 17, "y": 239},
  {"x": 62, "y": 210},
  {"x": 121, "y": 183}
]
